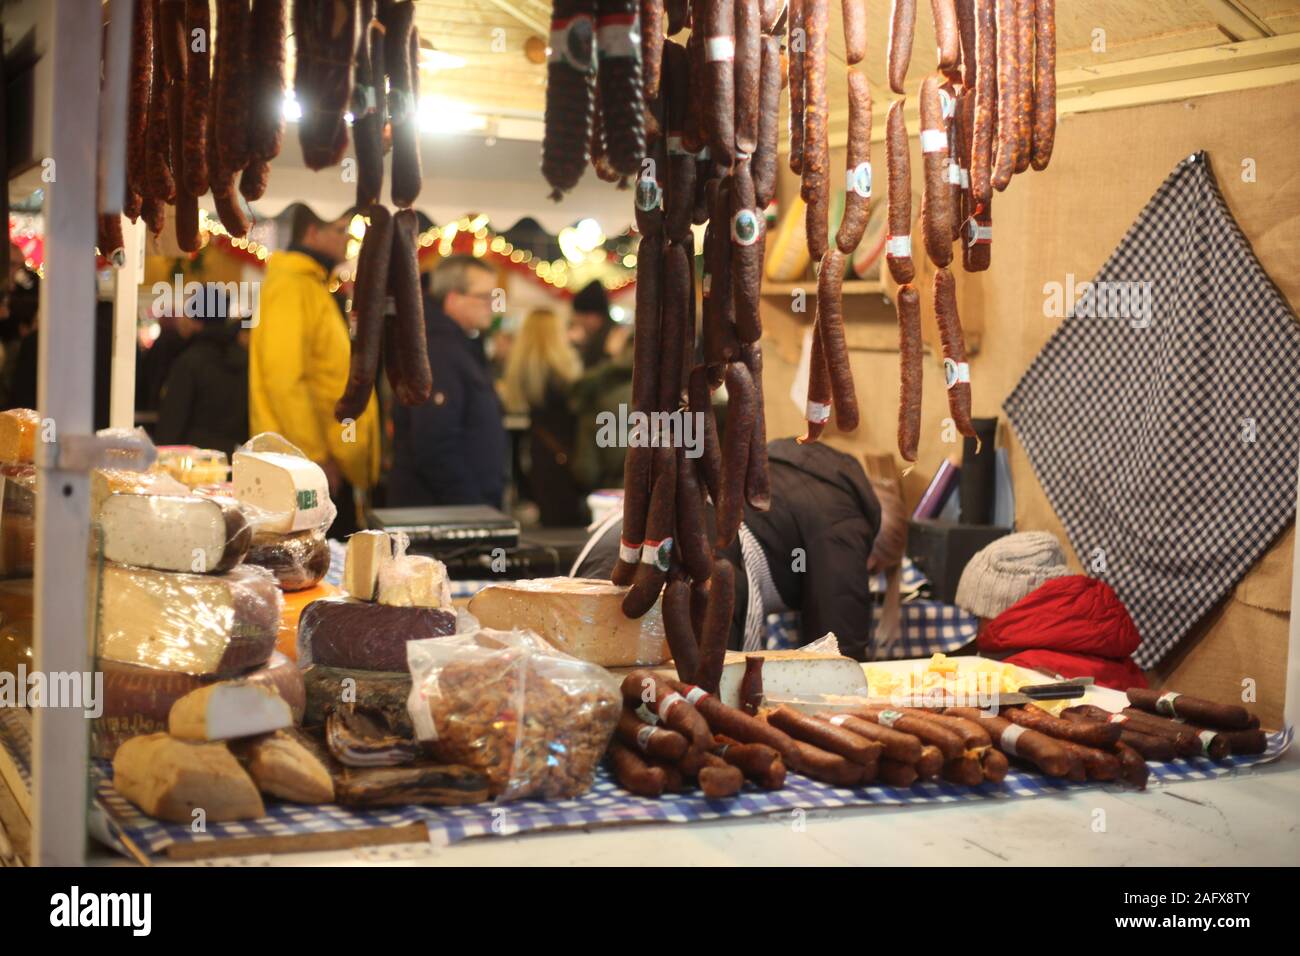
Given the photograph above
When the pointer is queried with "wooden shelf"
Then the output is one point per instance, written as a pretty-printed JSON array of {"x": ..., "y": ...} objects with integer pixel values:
[{"x": 851, "y": 287}]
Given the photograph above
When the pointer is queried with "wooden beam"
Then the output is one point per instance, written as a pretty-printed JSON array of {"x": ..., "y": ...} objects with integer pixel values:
[{"x": 1235, "y": 20}]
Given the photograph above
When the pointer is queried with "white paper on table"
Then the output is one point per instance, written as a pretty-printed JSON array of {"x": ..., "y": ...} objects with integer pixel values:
[{"x": 799, "y": 387}]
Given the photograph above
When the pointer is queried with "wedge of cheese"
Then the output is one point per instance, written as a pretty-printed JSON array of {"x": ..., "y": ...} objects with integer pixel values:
[
  {"x": 794, "y": 674},
  {"x": 175, "y": 532},
  {"x": 289, "y": 493},
  {"x": 368, "y": 551},
  {"x": 414, "y": 580},
  {"x": 228, "y": 709},
  {"x": 106, "y": 482},
  {"x": 580, "y": 616},
  {"x": 209, "y": 625},
  {"x": 18, "y": 429},
  {"x": 169, "y": 779}
]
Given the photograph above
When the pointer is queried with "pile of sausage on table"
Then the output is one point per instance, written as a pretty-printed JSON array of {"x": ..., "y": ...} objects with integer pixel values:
[{"x": 673, "y": 736}]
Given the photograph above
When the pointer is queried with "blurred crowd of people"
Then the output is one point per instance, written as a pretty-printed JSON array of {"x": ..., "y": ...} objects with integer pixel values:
[{"x": 511, "y": 422}]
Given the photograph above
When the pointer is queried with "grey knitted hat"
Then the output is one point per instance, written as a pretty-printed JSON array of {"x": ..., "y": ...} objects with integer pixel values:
[{"x": 1008, "y": 569}]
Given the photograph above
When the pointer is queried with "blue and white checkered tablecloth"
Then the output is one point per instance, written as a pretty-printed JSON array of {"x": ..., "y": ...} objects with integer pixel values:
[{"x": 605, "y": 804}]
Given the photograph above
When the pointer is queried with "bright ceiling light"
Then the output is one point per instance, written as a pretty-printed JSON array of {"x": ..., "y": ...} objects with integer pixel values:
[
  {"x": 437, "y": 114},
  {"x": 589, "y": 235},
  {"x": 292, "y": 108},
  {"x": 569, "y": 245}
]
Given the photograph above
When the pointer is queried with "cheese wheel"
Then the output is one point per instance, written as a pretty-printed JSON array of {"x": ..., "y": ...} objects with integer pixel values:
[
  {"x": 299, "y": 561},
  {"x": 364, "y": 636},
  {"x": 283, "y": 492},
  {"x": 580, "y": 616},
  {"x": 286, "y": 640},
  {"x": 206, "y": 625},
  {"x": 174, "y": 532}
]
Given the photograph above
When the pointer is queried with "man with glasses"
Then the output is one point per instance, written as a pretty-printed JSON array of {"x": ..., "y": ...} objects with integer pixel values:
[
  {"x": 452, "y": 450},
  {"x": 298, "y": 360}
]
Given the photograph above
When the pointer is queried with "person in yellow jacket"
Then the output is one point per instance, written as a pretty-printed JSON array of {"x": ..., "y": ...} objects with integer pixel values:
[{"x": 298, "y": 358}]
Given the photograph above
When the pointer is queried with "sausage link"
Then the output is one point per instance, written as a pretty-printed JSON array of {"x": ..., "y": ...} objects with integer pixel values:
[
  {"x": 407, "y": 179},
  {"x": 977, "y": 240},
  {"x": 898, "y": 241},
  {"x": 719, "y": 779},
  {"x": 1150, "y": 747},
  {"x": 160, "y": 184},
  {"x": 973, "y": 736},
  {"x": 230, "y": 122},
  {"x": 172, "y": 38},
  {"x": 678, "y": 628},
  {"x": 826, "y": 735},
  {"x": 633, "y": 773},
  {"x": 1024, "y": 83},
  {"x": 699, "y": 607},
  {"x": 672, "y": 333},
  {"x": 965, "y": 771},
  {"x": 902, "y": 24},
  {"x": 896, "y": 774},
  {"x": 679, "y": 197},
  {"x": 966, "y": 33},
  {"x": 909, "y": 371},
  {"x": 1044, "y": 133},
  {"x": 652, "y": 47},
  {"x": 946, "y": 33},
  {"x": 936, "y": 200},
  {"x": 1186, "y": 707},
  {"x": 957, "y": 167},
  {"x": 1008, "y": 93},
  {"x": 830, "y": 322},
  {"x": 1043, "y": 751},
  {"x": 798, "y": 46},
  {"x": 230, "y": 212},
  {"x": 648, "y": 338},
  {"x": 857, "y": 180},
  {"x": 1089, "y": 735},
  {"x": 197, "y": 92},
  {"x": 619, "y": 84},
  {"x": 746, "y": 253},
  {"x": 748, "y": 65},
  {"x": 828, "y": 767},
  {"x": 700, "y": 404},
  {"x": 137, "y": 116},
  {"x": 570, "y": 94},
  {"x": 769, "y": 114},
  {"x": 717, "y": 630},
  {"x": 636, "y": 503},
  {"x": 948, "y": 741},
  {"x": 986, "y": 103},
  {"x": 109, "y": 239},
  {"x": 895, "y": 745},
  {"x": 815, "y": 186},
  {"x": 758, "y": 490},
  {"x": 266, "y": 119},
  {"x": 956, "y": 373},
  {"x": 758, "y": 762},
  {"x": 325, "y": 39},
  {"x": 1133, "y": 768},
  {"x": 720, "y": 342},
  {"x": 693, "y": 135},
  {"x": 369, "y": 109},
  {"x": 855, "y": 30},
  {"x": 737, "y": 438},
  {"x": 692, "y": 533},
  {"x": 678, "y": 15},
  {"x": 369, "y": 294},
  {"x": 656, "y": 551},
  {"x": 736, "y": 724},
  {"x": 995, "y": 765},
  {"x": 817, "y": 409},
  {"x": 404, "y": 286},
  {"x": 720, "y": 89},
  {"x": 650, "y": 739}
]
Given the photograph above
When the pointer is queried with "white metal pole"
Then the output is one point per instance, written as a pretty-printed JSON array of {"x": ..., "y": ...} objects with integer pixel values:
[
  {"x": 67, "y": 88},
  {"x": 121, "y": 408}
]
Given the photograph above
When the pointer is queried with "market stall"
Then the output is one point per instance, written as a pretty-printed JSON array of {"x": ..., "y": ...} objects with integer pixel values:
[{"x": 1097, "y": 481}]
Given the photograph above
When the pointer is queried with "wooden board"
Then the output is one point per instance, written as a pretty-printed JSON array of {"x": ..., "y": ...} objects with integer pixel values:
[{"x": 299, "y": 843}]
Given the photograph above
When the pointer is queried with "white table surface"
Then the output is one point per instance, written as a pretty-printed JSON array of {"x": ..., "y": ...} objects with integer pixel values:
[{"x": 1252, "y": 819}]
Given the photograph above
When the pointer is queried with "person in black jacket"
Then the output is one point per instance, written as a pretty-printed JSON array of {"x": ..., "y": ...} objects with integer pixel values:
[
  {"x": 808, "y": 552},
  {"x": 204, "y": 400},
  {"x": 452, "y": 450}
]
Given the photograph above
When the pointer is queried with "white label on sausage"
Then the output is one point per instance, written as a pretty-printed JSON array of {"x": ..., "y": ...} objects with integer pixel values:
[
  {"x": 839, "y": 719},
  {"x": 1165, "y": 704},
  {"x": 668, "y": 703},
  {"x": 955, "y": 373},
  {"x": 628, "y": 552},
  {"x": 1007, "y": 742},
  {"x": 965, "y": 177},
  {"x": 696, "y": 694},
  {"x": 657, "y": 554},
  {"x": 643, "y": 736},
  {"x": 646, "y": 715},
  {"x": 888, "y": 718},
  {"x": 858, "y": 180},
  {"x": 1118, "y": 718},
  {"x": 934, "y": 141},
  {"x": 898, "y": 247},
  {"x": 1206, "y": 737},
  {"x": 947, "y": 104},
  {"x": 617, "y": 40},
  {"x": 954, "y": 173},
  {"x": 979, "y": 235},
  {"x": 817, "y": 413},
  {"x": 719, "y": 48},
  {"x": 675, "y": 147}
]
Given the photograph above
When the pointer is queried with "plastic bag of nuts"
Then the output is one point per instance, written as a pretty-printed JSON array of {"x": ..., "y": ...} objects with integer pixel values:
[{"x": 534, "y": 719}]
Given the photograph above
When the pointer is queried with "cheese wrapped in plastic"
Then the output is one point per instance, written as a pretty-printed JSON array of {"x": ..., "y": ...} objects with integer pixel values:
[
  {"x": 105, "y": 482},
  {"x": 17, "y": 520},
  {"x": 192, "y": 466},
  {"x": 184, "y": 533},
  {"x": 280, "y": 488},
  {"x": 216, "y": 625},
  {"x": 18, "y": 429},
  {"x": 299, "y": 561},
  {"x": 15, "y": 625},
  {"x": 345, "y": 632}
]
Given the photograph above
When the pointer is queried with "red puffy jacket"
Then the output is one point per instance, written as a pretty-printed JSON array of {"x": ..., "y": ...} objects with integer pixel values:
[{"x": 1074, "y": 626}]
